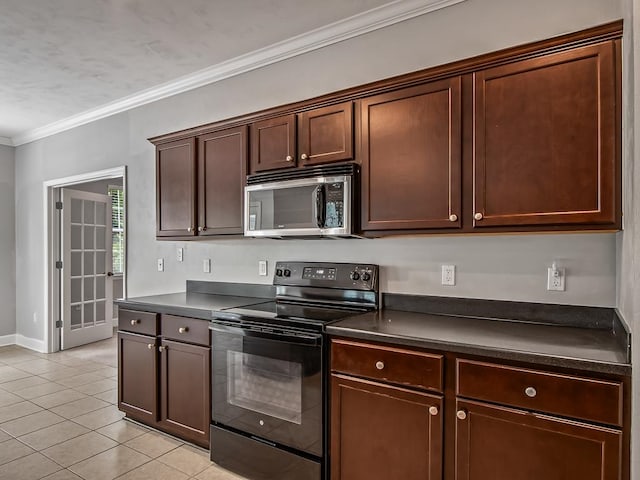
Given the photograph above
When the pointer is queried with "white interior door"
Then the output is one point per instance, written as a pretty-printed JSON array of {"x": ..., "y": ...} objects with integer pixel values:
[{"x": 87, "y": 288}]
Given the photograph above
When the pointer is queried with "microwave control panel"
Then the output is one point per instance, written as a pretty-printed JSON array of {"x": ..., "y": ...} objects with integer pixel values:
[{"x": 334, "y": 205}]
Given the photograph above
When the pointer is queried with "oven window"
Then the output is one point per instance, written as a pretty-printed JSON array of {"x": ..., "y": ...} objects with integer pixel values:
[{"x": 265, "y": 385}]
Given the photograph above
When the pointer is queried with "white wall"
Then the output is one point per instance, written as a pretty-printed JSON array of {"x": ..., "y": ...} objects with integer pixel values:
[
  {"x": 7, "y": 246},
  {"x": 503, "y": 267}
]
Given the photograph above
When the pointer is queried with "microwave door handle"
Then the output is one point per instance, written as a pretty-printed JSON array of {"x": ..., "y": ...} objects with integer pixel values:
[{"x": 320, "y": 207}]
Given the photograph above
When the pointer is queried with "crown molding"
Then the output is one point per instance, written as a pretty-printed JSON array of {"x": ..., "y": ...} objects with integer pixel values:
[
  {"x": 6, "y": 141},
  {"x": 360, "y": 24}
]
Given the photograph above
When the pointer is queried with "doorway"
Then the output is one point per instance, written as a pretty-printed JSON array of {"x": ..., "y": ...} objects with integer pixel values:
[{"x": 86, "y": 238}]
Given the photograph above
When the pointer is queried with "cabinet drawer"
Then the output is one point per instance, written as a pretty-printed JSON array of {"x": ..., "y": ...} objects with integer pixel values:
[
  {"x": 394, "y": 365},
  {"x": 185, "y": 329},
  {"x": 138, "y": 322},
  {"x": 583, "y": 398}
]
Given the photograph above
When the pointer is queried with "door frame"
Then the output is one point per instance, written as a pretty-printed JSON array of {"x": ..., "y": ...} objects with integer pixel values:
[{"x": 52, "y": 245}]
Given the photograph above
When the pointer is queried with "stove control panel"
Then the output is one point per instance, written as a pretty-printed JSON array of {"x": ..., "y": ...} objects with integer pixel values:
[{"x": 332, "y": 275}]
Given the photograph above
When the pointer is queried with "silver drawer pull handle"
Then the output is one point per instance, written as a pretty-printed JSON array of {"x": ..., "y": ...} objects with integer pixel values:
[
  {"x": 379, "y": 365},
  {"x": 461, "y": 414},
  {"x": 433, "y": 411},
  {"x": 530, "y": 392},
  {"x": 183, "y": 329},
  {"x": 135, "y": 321}
]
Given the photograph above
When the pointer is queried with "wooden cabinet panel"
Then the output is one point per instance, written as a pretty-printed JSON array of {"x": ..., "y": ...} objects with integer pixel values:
[
  {"x": 185, "y": 329},
  {"x": 542, "y": 391},
  {"x": 273, "y": 143},
  {"x": 185, "y": 379},
  {"x": 222, "y": 165},
  {"x": 138, "y": 377},
  {"x": 325, "y": 134},
  {"x": 499, "y": 443},
  {"x": 545, "y": 140},
  {"x": 176, "y": 188},
  {"x": 145, "y": 323},
  {"x": 411, "y": 158},
  {"x": 395, "y": 365},
  {"x": 381, "y": 432}
]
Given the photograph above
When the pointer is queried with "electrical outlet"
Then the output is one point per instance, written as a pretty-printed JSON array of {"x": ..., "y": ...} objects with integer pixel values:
[
  {"x": 555, "y": 279},
  {"x": 206, "y": 265},
  {"x": 180, "y": 254},
  {"x": 161, "y": 264},
  {"x": 262, "y": 268},
  {"x": 448, "y": 275}
]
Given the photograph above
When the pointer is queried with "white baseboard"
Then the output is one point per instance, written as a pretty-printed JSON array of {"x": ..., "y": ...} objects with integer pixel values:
[
  {"x": 7, "y": 340},
  {"x": 30, "y": 343}
]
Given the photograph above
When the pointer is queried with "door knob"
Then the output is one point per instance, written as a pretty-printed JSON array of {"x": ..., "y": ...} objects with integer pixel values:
[
  {"x": 135, "y": 321},
  {"x": 183, "y": 329},
  {"x": 109, "y": 274},
  {"x": 379, "y": 365},
  {"x": 433, "y": 411},
  {"x": 304, "y": 156},
  {"x": 478, "y": 216},
  {"x": 461, "y": 414},
  {"x": 289, "y": 158},
  {"x": 150, "y": 346},
  {"x": 453, "y": 217}
]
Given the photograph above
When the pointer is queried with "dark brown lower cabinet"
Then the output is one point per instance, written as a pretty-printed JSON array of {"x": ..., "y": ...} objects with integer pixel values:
[
  {"x": 185, "y": 405},
  {"x": 498, "y": 443},
  {"x": 382, "y": 432},
  {"x": 138, "y": 380}
]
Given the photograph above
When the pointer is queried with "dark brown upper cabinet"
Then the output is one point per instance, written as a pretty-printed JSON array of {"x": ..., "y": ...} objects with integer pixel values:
[
  {"x": 411, "y": 158},
  {"x": 325, "y": 134},
  {"x": 222, "y": 167},
  {"x": 273, "y": 143},
  {"x": 176, "y": 188},
  {"x": 545, "y": 141}
]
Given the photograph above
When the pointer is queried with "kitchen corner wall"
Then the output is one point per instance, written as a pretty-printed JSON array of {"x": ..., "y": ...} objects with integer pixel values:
[
  {"x": 7, "y": 246},
  {"x": 509, "y": 267}
]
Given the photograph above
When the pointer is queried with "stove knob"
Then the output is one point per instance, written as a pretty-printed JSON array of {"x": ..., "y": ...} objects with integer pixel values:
[
  {"x": 287, "y": 272},
  {"x": 366, "y": 277},
  {"x": 278, "y": 272},
  {"x": 355, "y": 276}
]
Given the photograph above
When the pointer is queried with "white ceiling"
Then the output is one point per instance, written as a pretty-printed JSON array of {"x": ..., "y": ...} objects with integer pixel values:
[{"x": 63, "y": 61}]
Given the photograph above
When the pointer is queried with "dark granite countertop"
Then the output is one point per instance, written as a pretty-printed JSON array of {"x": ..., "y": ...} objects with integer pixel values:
[{"x": 594, "y": 349}]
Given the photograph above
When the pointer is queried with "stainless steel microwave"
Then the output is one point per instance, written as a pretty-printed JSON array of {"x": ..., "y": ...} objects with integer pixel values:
[{"x": 312, "y": 202}]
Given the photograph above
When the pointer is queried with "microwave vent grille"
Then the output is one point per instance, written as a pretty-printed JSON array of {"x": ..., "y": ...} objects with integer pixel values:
[{"x": 323, "y": 171}]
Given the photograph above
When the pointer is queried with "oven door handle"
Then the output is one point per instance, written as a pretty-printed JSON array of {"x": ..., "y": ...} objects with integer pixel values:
[{"x": 280, "y": 336}]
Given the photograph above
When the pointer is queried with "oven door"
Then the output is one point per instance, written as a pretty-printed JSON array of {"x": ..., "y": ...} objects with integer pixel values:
[{"x": 268, "y": 384}]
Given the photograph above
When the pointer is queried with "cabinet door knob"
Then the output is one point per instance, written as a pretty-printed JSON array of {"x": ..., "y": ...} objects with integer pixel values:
[
  {"x": 190, "y": 229},
  {"x": 478, "y": 216},
  {"x": 200, "y": 229},
  {"x": 135, "y": 321},
  {"x": 530, "y": 392},
  {"x": 303, "y": 156},
  {"x": 379, "y": 365},
  {"x": 150, "y": 346},
  {"x": 453, "y": 217},
  {"x": 433, "y": 411},
  {"x": 161, "y": 348},
  {"x": 289, "y": 158},
  {"x": 461, "y": 414},
  {"x": 183, "y": 329}
]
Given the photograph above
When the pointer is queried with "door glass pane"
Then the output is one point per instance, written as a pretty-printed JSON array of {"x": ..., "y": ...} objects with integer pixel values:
[
  {"x": 101, "y": 240},
  {"x": 76, "y": 211},
  {"x": 76, "y": 264},
  {"x": 100, "y": 263},
  {"x": 88, "y": 289},
  {"x": 100, "y": 312},
  {"x": 76, "y": 317},
  {"x": 89, "y": 211},
  {"x": 265, "y": 385},
  {"x": 101, "y": 213},
  {"x": 88, "y": 263},
  {"x": 283, "y": 208},
  {"x": 100, "y": 287},
  {"x": 88, "y": 237},
  {"x": 76, "y": 237},
  {"x": 88, "y": 314},
  {"x": 76, "y": 290}
]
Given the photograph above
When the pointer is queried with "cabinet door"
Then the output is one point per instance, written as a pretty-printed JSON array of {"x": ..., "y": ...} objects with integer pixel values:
[
  {"x": 325, "y": 134},
  {"x": 545, "y": 140},
  {"x": 176, "y": 188},
  {"x": 138, "y": 377},
  {"x": 185, "y": 386},
  {"x": 380, "y": 432},
  {"x": 273, "y": 143},
  {"x": 222, "y": 167},
  {"x": 500, "y": 443},
  {"x": 411, "y": 158}
]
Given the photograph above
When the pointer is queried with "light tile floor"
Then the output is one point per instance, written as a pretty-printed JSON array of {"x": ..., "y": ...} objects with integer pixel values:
[{"x": 59, "y": 421}]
